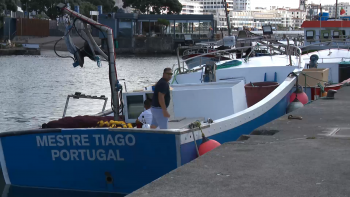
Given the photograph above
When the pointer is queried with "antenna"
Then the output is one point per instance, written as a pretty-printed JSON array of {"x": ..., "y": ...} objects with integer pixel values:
[{"x": 336, "y": 9}]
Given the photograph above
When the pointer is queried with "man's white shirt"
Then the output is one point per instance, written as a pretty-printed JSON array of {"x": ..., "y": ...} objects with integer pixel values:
[{"x": 147, "y": 116}]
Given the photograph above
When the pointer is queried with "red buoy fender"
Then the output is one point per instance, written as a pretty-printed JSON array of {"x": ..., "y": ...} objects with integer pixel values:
[
  {"x": 302, "y": 97},
  {"x": 208, "y": 146}
]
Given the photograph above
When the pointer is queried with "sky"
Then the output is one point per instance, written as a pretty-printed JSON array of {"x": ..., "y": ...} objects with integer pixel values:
[{"x": 289, "y": 3}]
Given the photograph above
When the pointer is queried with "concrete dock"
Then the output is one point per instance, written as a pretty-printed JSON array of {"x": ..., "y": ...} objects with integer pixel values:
[{"x": 308, "y": 157}]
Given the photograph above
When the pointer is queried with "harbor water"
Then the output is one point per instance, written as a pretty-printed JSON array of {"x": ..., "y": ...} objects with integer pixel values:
[{"x": 34, "y": 89}]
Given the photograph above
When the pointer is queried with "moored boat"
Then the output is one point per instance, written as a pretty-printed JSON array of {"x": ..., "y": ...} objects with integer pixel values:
[
  {"x": 83, "y": 153},
  {"x": 325, "y": 34}
]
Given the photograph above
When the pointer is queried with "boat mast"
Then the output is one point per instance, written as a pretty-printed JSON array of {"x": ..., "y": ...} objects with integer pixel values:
[{"x": 227, "y": 17}]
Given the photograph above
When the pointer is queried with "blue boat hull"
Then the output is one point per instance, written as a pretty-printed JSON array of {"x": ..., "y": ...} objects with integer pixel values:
[
  {"x": 39, "y": 160},
  {"x": 120, "y": 161}
]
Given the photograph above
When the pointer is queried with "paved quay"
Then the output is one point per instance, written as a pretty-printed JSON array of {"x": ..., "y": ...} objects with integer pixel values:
[{"x": 308, "y": 157}]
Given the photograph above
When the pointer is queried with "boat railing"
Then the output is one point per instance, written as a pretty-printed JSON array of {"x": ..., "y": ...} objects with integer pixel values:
[
  {"x": 330, "y": 47},
  {"x": 196, "y": 50},
  {"x": 319, "y": 40},
  {"x": 329, "y": 43},
  {"x": 291, "y": 50},
  {"x": 332, "y": 58},
  {"x": 342, "y": 58}
]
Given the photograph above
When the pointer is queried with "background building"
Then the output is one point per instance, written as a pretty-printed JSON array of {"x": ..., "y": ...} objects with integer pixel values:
[
  {"x": 191, "y": 7},
  {"x": 280, "y": 17},
  {"x": 331, "y": 9}
]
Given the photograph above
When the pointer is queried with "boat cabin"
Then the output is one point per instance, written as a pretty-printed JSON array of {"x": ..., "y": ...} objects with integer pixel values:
[
  {"x": 191, "y": 102},
  {"x": 335, "y": 32}
]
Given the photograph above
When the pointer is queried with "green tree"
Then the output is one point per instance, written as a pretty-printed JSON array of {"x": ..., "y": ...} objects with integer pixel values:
[
  {"x": 115, "y": 9},
  {"x": 163, "y": 23},
  {"x": 86, "y": 7},
  {"x": 46, "y": 6},
  {"x": 154, "y": 6},
  {"x": 6, "y": 5},
  {"x": 49, "y": 6},
  {"x": 107, "y": 5}
]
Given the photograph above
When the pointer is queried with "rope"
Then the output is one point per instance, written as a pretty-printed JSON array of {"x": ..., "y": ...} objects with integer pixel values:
[
  {"x": 177, "y": 71},
  {"x": 54, "y": 47},
  {"x": 321, "y": 87},
  {"x": 194, "y": 125},
  {"x": 198, "y": 124}
]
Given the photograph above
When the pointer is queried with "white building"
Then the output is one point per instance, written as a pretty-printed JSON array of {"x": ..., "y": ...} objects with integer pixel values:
[
  {"x": 331, "y": 9},
  {"x": 217, "y": 8},
  {"x": 212, "y": 6},
  {"x": 298, "y": 17},
  {"x": 191, "y": 7},
  {"x": 284, "y": 17},
  {"x": 257, "y": 18}
]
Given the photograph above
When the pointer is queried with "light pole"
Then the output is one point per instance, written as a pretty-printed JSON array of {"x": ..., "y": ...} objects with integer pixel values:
[
  {"x": 227, "y": 16},
  {"x": 27, "y": 8}
]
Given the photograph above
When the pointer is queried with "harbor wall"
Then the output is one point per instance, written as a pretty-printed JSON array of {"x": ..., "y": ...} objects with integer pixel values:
[
  {"x": 144, "y": 45},
  {"x": 32, "y": 27}
]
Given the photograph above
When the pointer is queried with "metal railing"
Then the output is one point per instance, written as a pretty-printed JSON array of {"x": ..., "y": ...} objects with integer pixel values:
[
  {"x": 324, "y": 43},
  {"x": 290, "y": 50},
  {"x": 78, "y": 95},
  {"x": 330, "y": 39},
  {"x": 195, "y": 50}
]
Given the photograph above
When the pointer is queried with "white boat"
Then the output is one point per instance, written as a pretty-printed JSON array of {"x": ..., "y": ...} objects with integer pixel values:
[
  {"x": 66, "y": 156},
  {"x": 227, "y": 42}
]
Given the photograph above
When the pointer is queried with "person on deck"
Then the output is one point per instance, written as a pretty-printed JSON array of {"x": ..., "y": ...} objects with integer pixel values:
[
  {"x": 146, "y": 116},
  {"x": 161, "y": 100}
]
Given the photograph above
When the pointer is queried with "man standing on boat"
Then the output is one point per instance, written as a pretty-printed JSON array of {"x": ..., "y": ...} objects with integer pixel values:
[{"x": 161, "y": 100}]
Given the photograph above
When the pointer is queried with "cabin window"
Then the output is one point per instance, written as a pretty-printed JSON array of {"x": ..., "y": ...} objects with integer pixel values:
[
  {"x": 336, "y": 34},
  {"x": 135, "y": 106},
  {"x": 326, "y": 35},
  {"x": 343, "y": 31},
  {"x": 310, "y": 34}
]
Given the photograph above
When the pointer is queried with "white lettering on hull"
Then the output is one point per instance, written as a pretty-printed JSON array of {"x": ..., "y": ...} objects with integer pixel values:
[
  {"x": 92, "y": 155},
  {"x": 84, "y": 141}
]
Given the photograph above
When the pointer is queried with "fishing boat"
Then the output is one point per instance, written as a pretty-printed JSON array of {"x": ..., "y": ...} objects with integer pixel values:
[
  {"x": 325, "y": 33},
  {"x": 205, "y": 48},
  {"x": 105, "y": 152}
]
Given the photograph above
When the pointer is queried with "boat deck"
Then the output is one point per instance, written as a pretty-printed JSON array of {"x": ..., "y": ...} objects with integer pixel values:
[{"x": 182, "y": 123}]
